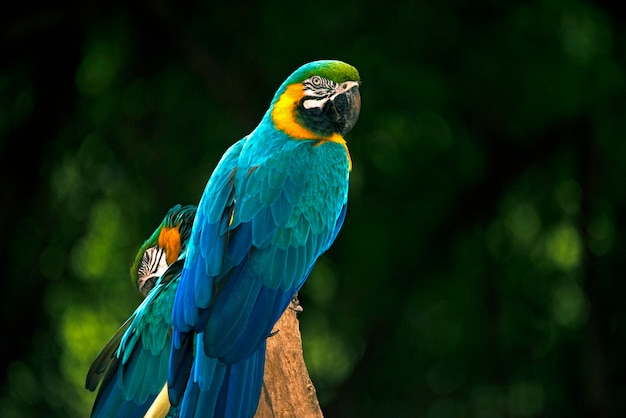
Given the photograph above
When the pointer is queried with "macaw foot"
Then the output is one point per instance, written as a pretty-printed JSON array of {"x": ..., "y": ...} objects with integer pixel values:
[
  {"x": 295, "y": 304},
  {"x": 273, "y": 333}
]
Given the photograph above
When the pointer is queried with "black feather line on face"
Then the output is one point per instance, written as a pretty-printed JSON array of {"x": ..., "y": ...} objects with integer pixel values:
[
  {"x": 150, "y": 261},
  {"x": 153, "y": 264},
  {"x": 319, "y": 87}
]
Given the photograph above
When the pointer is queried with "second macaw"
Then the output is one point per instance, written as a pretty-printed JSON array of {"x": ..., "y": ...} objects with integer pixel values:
[
  {"x": 275, "y": 202},
  {"x": 134, "y": 361}
]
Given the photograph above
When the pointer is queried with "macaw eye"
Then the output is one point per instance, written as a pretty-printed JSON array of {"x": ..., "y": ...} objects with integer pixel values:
[{"x": 317, "y": 92}]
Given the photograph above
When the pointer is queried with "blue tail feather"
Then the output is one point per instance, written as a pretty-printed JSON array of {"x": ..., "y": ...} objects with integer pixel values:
[
  {"x": 181, "y": 359},
  {"x": 248, "y": 380},
  {"x": 227, "y": 390}
]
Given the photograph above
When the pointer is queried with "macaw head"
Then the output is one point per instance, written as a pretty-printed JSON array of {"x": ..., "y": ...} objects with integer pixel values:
[
  {"x": 164, "y": 247},
  {"x": 319, "y": 100}
]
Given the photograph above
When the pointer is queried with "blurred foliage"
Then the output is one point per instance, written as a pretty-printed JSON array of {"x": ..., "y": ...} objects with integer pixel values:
[{"x": 478, "y": 273}]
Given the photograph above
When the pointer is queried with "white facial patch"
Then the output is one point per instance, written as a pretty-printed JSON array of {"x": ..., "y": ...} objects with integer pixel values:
[
  {"x": 311, "y": 103},
  {"x": 153, "y": 264}
]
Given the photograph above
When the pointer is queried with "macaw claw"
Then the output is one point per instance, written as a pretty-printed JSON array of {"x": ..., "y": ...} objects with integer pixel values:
[
  {"x": 273, "y": 333},
  {"x": 295, "y": 305}
]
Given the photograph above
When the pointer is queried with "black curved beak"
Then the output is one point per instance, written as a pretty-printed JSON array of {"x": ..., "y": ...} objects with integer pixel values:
[
  {"x": 146, "y": 284},
  {"x": 348, "y": 105}
]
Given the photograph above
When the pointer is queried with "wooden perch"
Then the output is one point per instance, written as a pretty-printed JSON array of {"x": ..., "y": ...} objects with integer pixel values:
[{"x": 287, "y": 388}]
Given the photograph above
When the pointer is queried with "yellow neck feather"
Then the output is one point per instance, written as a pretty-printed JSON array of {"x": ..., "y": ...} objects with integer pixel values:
[{"x": 284, "y": 120}]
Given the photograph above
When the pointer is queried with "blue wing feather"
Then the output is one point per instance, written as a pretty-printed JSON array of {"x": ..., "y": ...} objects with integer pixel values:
[
  {"x": 281, "y": 209},
  {"x": 276, "y": 178},
  {"x": 338, "y": 225},
  {"x": 180, "y": 364},
  {"x": 263, "y": 228},
  {"x": 293, "y": 188}
]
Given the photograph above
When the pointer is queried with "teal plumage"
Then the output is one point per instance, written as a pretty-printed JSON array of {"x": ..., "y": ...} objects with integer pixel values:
[
  {"x": 134, "y": 362},
  {"x": 275, "y": 202}
]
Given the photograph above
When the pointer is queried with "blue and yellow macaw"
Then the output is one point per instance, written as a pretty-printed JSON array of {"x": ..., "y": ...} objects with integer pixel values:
[
  {"x": 275, "y": 202},
  {"x": 135, "y": 359}
]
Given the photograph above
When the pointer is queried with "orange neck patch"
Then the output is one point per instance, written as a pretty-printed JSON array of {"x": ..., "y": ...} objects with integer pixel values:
[
  {"x": 169, "y": 240},
  {"x": 284, "y": 119}
]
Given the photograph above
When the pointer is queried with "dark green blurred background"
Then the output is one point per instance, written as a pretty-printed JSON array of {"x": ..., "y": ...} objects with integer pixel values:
[{"x": 480, "y": 271}]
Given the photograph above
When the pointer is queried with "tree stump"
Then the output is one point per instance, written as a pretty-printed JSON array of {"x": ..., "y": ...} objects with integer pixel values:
[{"x": 287, "y": 388}]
